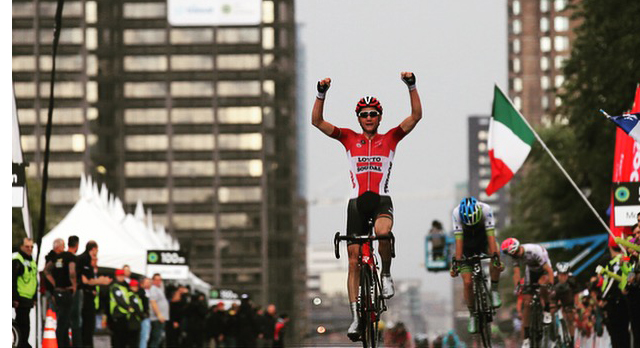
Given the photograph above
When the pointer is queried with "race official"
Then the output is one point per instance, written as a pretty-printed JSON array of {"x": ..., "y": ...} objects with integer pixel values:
[
  {"x": 61, "y": 272},
  {"x": 145, "y": 326},
  {"x": 136, "y": 314},
  {"x": 119, "y": 309},
  {"x": 76, "y": 307},
  {"x": 25, "y": 284}
]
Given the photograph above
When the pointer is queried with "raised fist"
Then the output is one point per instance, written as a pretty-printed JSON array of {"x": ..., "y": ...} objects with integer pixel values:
[
  {"x": 409, "y": 79},
  {"x": 323, "y": 85}
]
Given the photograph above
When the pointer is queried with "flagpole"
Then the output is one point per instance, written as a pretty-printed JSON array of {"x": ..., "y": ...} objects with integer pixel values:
[{"x": 544, "y": 146}]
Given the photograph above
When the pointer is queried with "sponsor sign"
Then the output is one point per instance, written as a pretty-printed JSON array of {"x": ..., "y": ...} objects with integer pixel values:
[
  {"x": 626, "y": 203},
  {"x": 17, "y": 186},
  {"x": 214, "y": 12},
  {"x": 170, "y": 264},
  {"x": 223, "y": 294}
]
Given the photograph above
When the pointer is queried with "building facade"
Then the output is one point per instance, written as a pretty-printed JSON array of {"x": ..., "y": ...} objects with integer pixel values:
[
  {"x": 197, "y": 122},
  {"x": 540, "y": 35}
]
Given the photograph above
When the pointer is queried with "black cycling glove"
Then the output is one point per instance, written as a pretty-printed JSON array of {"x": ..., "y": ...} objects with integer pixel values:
[
  {"x": 410, "y": 81},
  {"x": 322, "y": 90}
]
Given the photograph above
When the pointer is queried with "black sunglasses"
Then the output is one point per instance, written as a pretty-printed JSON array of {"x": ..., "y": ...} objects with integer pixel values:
[{"x": 365, "y": 114}]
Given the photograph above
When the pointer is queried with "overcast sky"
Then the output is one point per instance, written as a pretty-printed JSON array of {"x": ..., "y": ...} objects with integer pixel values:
[{"x": 457, "y": 50}]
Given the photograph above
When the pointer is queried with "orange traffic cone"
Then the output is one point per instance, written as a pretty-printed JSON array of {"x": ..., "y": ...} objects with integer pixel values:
[{"x": 49, "y": 337}]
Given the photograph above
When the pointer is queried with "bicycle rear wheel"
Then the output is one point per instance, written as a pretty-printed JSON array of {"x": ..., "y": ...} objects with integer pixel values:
[
  {"x": 369, "y": 331},
  {"x": 484, "y": 313}
]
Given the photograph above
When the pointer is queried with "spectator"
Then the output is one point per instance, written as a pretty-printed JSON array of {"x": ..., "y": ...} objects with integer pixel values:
[
  {"x": 280, "y": 331},
  {"x": 159, "y": 311},
  {"x": 195, "y": 315},
  {"x": 136, "y": 314},
  {"x": 269, "y": 325},
  {"x": 145, "y": 325},
  {"x": 438, "y": 239},
  {"x": 247, "y": 323},
  {"x": 25, "y": 284},
  {"x": 231, "y": 327},
  {"x": 88, "y": 279},
  {"x": 48, "y": 287},
  {"x": 127, "y": 273},
  {"x": 399, "y": 337},
  {"x": 119, "y": 308},
  {"x": 61, "y": 272},
  {"x": 176, "y": 313},
  {"x": 215, "y": 325},
  {"x": 76, "y": 305}
]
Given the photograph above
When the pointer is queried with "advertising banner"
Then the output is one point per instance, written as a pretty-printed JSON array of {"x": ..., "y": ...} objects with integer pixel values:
[
  {"x": 170, "y": 264},
  {"x": 214, "y": 12}
]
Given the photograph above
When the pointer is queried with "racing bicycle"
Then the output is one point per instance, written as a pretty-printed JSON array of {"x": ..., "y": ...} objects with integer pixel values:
[{"x": 371, "y": 305}]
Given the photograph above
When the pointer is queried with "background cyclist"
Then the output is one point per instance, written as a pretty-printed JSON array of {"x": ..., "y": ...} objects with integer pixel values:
[
  {"x": 474, "y": 231},
  {"x": 566, "y": 291},
  {"x": 537, "y": 270},
  {"x": 370, "y": 158}
]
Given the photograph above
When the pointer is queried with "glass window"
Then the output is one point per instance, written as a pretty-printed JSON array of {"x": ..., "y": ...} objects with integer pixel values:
[
  {"x": 559, "y": 61},
  {"x": 63, "y": 195},
  {"x": 544, "y": 5},
  {"x": 191, "y": 89},
  {"x": 482, "y": 147},
  {"x": 234, "y": 220},
  {"x": 71, "y": 9},
  {"x": 268, "y": 38},
  {"x": 64, "y": 116},
  {"x": 516, "y": 65},
  {"x": 23, "y": 63},
  {"x": 517, "y": 102},
  {"x": 483, "y": 160},
  {"x": 193, "y": 168},
  {"x": 91, "y": 12},
  {"x": 239, "y": 194},
  {"x": 64, "y": 89},
  {"x": 561, "y": 23},
  {"x": 483, "y": 135},
  {"x": 192, "y": 115},
  {"x": 559, "y": 80},
  {"x": 267, "y": 59},
  {"x": 147, "y": 195},
  {"x": 143, "y": 169},
  {"x": 191, "y": 36},
  {"x": 26, "y": 116},
  {"x": 23, "y": 36},
  {"x": 240, "y": 114},
  {"x": 194, "y": 221},
  {"x": 144, "y": 10},
  {"x": 517, "y": 84},
  {"x": 192, "y": 194},
  {"x": 238, "y": 88},
  {"x": 25, "y": 89},
  {"x": 191, "y": 62},
  {"x": 238, "y": 35},
  {"x": 558, "y": 101},
  {"x": 560, "y": 5},
  {"x": 69, "y": 143},
  {"x": 267, "y": 12},
  {"x": 515, "y": 45},
  {"x": 248, "y": 141},
  {"x": 561, "y": 43},
  {"x": 63, "y": 63},
  {"x": 194, "y": 142},
  {"x": 544, "y": 101},
  {"x": 145, "y": 89},
  {"x": 544, "y": 24},
  {"x": 240, "y": 168},
  {"x": 145, "y": 116},
  {"x": 238, "y": 61},
  {"x": 92, "y": 65},
  {"x": 92, "y": 91},
  {"x": 145, "y": 63},
  {"x": 28, "y": 143},
  {"x": 544, "y": 83},
  {"x": 146, "y": 142},
  {"x": 515, "y": 7},
  {"x": 91, "y": 41},
  {"x": 516, "y": 26},
  {"x": 22, "y": 9},
  {"x": 144, "y": 36},
  {"x": 545, "y": 44},
  {"x": 544, "y": 63},
  {"x": 269, "y": 88},
  {"x": 72, "y": 36}
]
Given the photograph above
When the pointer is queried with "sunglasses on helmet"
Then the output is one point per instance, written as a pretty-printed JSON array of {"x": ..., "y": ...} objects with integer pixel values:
[{"x": 365, "y": 114}]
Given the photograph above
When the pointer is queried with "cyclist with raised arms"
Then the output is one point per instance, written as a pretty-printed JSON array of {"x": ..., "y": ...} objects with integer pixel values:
[
  {"x": 475, "y": 233},
  {"x": 537, "y": 270},
  {"x": 370, "y": 157}
]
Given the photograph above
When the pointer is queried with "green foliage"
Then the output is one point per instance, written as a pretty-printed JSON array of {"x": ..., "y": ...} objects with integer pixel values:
[
  {"x": 34, "y": 189},
  {"x": 602, "y": 73}
]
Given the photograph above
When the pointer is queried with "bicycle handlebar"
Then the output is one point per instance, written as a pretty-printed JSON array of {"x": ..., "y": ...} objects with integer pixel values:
[
  {"x": 361, "y": 240},
  {"x": 472, "y": 259}
]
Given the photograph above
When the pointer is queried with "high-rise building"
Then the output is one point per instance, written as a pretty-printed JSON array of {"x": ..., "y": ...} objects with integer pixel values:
[
  {"x": 540, "y": 36},
  {"x": 198, "y": 122}
]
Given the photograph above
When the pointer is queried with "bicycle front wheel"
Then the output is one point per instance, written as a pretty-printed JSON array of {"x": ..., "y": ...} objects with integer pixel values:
[
  {"x": 368, "y": 310},
  {"x": 483, "y": 313}
]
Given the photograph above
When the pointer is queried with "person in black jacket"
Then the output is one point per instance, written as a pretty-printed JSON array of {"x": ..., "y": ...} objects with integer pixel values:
[
  {"x": 216, "y": 320},
  {"x": 268, "y": 329},
  {"x": 247, "y": 323},
  {"x": 195, "y": 315}
]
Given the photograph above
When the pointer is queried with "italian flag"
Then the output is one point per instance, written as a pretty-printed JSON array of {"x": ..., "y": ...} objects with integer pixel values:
[{"x": 510, "y": 140}]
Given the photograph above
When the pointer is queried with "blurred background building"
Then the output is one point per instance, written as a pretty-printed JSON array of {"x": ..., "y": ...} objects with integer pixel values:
[
  {"x": 198, "y": 122},
  {"x": 539, "y": 36}
]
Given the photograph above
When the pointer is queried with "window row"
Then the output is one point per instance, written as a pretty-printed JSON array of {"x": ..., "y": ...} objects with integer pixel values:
[
  {"x": 185, "y": 89},
  {"x": 200, "y": 36},
  {"x": 225, "y": 115},
  {"x": 208, "y": 221},
  {"x": 194, "y": 195},
  {"x": 194, "y": 142},
  {"x": 67, "y": 143},
  {"x": 250, "y": 168},
  {"x": 69, "y": 36},
  {"x": 63, "y": 63},
  {"x": 545, "y": 83},
  {"x": 150, "y": 10},
  {"x": 192, "y": 62},
  {"x": 558, "y": 5},
  {"x": 61, "y": 116},
  {"x": 63, "y": 89}
]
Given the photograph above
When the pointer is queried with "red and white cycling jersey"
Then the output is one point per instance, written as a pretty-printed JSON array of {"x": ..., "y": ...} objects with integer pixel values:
[{"x": 370, "y": 160}]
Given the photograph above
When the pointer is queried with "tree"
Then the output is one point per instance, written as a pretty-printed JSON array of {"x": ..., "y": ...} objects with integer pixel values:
[{"x": 602, "y": 73}]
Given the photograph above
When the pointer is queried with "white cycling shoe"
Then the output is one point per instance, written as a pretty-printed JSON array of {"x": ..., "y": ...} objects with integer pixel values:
[
  {"x": 354, "y": 329},
  {"x": 526, "y": 343},
  {"x": 388, "y": 289},
  {"x": 546, "y": 317}
]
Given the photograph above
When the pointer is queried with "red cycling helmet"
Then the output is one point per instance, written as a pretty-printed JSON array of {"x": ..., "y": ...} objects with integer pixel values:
[
  {"x": 368, "y": 101},
  {"x": 510, "y": 246}
]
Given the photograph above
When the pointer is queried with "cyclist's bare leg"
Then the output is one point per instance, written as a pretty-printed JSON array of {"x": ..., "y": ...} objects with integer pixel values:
[
  {"x": 569, "y": 319},
  {"x": 526, "y": 303},
  {"x": 467, "y": 280},
  {"x": 382, "y": 228},
  {"x": 544, "y": 291},
  {"x": 353, "y": 278},
  {"x": 494, "y": 272}
]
